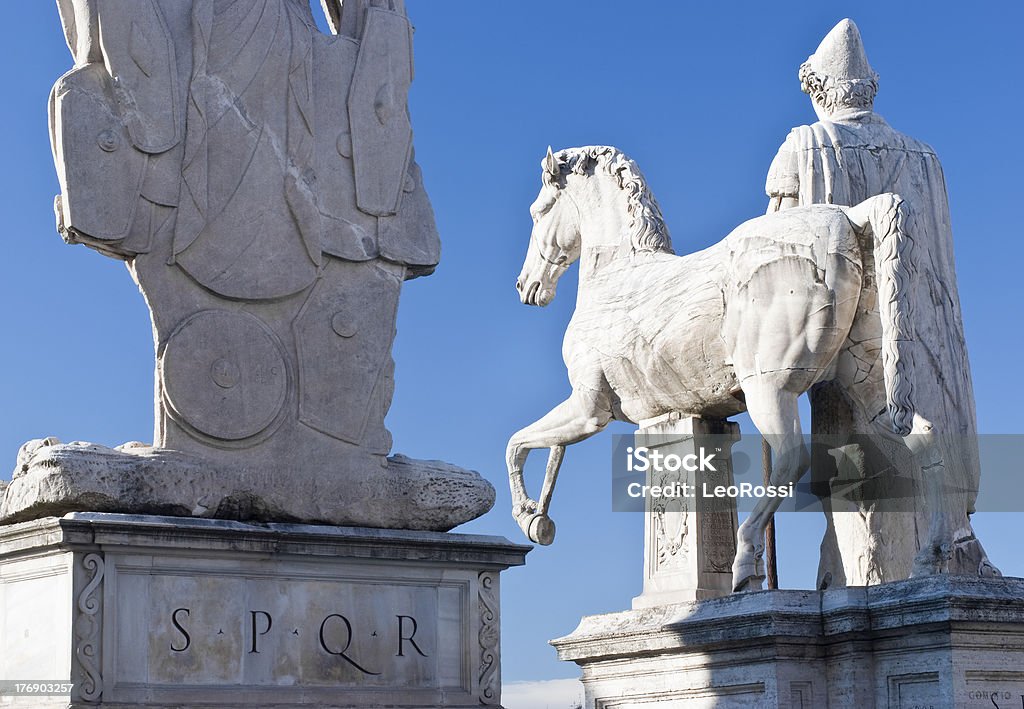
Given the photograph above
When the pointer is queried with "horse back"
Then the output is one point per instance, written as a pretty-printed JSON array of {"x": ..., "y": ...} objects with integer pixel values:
[
  {"x": 795, "y": 283},
  {"x": 817, "y": 233}
]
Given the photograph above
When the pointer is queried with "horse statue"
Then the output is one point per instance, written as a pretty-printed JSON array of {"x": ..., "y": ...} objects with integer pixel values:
[{"x": 783, "y": 302}]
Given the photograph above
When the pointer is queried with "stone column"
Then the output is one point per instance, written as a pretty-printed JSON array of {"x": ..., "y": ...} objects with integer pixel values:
[{"x": 689, "y": 541}]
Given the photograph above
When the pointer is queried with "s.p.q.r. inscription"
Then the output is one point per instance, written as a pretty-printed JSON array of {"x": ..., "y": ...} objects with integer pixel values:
[
  {"x": 211, "y": 625},
  {"x": 333, "y": 635}
]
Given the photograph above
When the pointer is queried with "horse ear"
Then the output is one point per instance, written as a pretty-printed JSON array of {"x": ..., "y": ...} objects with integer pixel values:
[{"x": 551, "y": 163}]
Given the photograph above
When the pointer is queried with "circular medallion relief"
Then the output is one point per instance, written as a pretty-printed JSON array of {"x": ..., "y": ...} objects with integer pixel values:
[
  {"x": 223, "y": 374},
  {"x": 108, "y": 141},
  {"x": 342, "y": 324}
]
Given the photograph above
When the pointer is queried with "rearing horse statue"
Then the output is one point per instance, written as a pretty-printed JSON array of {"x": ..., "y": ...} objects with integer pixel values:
[{"x": 750, "y": 323}]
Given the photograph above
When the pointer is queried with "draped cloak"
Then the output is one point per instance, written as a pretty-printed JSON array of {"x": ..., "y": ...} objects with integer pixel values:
[{"x": 856, "y": 155}]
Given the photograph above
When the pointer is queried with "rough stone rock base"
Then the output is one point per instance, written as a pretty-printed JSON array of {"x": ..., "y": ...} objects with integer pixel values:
[
  {"x": 938, "y": 642},
  {"x": 158, "y": 612},
  {"x": 394, "y": 493}
]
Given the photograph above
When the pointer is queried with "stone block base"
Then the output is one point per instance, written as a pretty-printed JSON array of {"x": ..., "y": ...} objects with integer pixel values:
[
  {"x": 938, "y": 642},
  {"x": 161, "y": 612},
  {"x": 689, "y": 544}
]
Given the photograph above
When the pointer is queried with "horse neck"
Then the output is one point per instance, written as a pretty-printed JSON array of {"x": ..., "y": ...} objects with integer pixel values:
[{"x": 604, "y": 229}]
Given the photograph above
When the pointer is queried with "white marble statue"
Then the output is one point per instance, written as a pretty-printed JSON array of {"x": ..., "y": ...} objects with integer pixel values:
[
  {"x": 257, "y": 177},
  {"x": 849, "y": 155},
  {"x": 750, "y": 323}
]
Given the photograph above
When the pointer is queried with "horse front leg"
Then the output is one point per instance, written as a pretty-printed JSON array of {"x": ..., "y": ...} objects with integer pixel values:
[
  {"x": 533, "y": 518},
  {"x": 575, "y": 419},
  {"x": 532, "y": 515}
]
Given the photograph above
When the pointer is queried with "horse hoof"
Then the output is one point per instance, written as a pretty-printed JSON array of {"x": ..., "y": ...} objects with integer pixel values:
[
  {"x": 920, "y": 570},
  {"x": 748, "y": 575},
  {"x": 541, "y": 529},
  {"x": 987, "y": 570},
  {"x": 747, "y": 584},
  {"x": 927, "y": 566},
  {"x": 931, "y": 560}
]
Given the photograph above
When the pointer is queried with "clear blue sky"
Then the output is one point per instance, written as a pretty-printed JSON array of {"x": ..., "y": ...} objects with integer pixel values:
[{"x": 700, "y": 95}]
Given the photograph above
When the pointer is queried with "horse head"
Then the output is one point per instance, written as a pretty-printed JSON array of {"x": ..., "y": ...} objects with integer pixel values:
[
  {"x": 592, "y": 199},
  {"x": 555, "y": 239}
]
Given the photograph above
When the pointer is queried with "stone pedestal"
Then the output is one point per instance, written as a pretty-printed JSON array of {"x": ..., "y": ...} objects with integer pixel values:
[
  {"x": 160, "y": 612},
  {"x": 939, "y": 642},
  {"x": 53, "y": 479},
  {"x": 689, "y": 541}
]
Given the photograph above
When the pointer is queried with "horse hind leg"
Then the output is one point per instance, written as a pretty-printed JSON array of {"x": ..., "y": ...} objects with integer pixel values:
[
  {"x": 788, "y": 325},
  {"x": 772, "y": 405}
]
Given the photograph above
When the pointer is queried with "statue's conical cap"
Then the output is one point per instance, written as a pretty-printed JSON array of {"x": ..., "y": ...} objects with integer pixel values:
[{"x": 841, "y": 54}]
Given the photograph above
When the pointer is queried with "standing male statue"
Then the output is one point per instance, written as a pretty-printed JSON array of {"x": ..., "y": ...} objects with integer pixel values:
[
  {"x": 257, "y": 177},
  {"x": 851, "y": 154}
]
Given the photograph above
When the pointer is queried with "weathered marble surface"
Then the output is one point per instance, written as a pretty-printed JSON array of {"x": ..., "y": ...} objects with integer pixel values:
[
  {"x": 161, "y": 612},
  {"x": 940, "y": 641},
  {"x": 749, "y": 323},
  {"x": 137, "y": 479},
  {"x": 849, "y": 155},
  {"x": 257, "y": 178}
]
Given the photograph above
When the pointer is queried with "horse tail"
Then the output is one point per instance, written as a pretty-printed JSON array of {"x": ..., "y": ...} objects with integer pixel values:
[{"x": 886, "y": 217}]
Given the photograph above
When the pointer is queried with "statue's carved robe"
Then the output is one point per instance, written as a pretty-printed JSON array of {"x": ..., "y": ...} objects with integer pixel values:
[
  {"x": 258, "y": 180},
  {"x": 258, "y": 177},
  {"x": 845, "y": 160},
  {"x": 252, "y": 201},
  {"x": 248, "y": 206}
]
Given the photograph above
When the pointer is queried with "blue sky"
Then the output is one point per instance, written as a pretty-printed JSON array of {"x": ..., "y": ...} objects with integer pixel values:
[{"x": 699, "y": 96}]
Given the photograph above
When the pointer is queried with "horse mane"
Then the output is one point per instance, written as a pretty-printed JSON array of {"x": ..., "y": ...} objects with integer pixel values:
[{"x": 648, "y": 231}]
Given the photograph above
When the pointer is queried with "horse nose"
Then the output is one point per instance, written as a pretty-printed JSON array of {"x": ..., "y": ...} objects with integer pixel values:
[{"x": 519, "y": 284}]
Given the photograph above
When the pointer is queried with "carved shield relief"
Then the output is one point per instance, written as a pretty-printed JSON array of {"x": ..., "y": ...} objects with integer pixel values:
[
  {"x": 343, "y": 334},
  {"x": 347, "y": 232},
  {"x": 377, "y": 107},
  {"x": 100, "y": 172},
  {"x": 224, "y": 375}
]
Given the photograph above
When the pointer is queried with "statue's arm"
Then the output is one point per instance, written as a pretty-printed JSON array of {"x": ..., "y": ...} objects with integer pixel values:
[
  {"x": 776, "y": 204},
  {"x": 783, "y": 182},
  {"x": 80, "y": 20}
]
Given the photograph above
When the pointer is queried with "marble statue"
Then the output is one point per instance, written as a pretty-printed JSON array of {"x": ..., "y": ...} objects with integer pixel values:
[
  {"x": 849, "y": 155},
  {"x": 257, "y": 177},
  {"x": 750, "y": 323}
]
